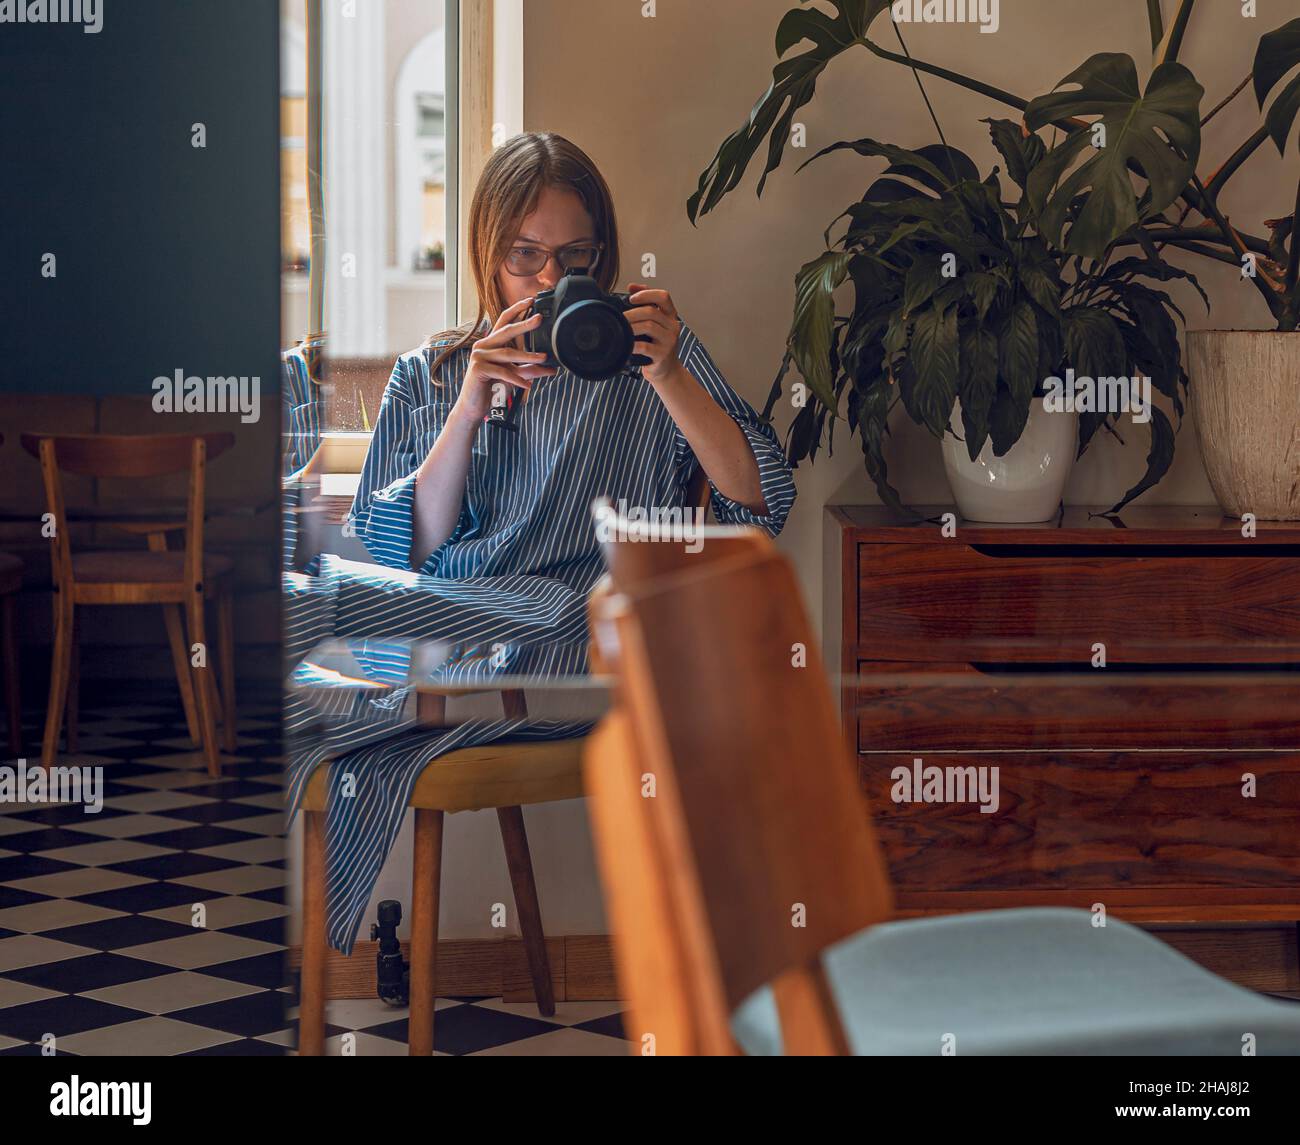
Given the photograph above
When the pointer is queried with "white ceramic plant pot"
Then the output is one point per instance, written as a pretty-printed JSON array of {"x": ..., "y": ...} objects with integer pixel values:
[
  {"x": 1245, "y": 391},
  {"x": 1026, "y": 484}
]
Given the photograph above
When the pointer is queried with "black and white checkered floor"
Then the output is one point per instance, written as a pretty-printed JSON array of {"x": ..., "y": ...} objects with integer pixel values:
[
  {"x": 104, "y": 950},
  {"x": 482, "y": 1027}
]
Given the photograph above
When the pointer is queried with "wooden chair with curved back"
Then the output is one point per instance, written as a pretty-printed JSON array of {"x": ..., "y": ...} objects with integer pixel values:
[
  {"x": 11, "y": 584},
  {"x": 750, "y": 900},
  {"x": 505, "y": 777},
  {"x": 181, "y": 581},
  {"x": 680, "y": 974}
]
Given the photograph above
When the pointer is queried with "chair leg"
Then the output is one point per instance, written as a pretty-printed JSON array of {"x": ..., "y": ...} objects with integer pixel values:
[
  {"x": 311, "y": 1009},
  {"x": 13, "y": 693},
  {"x": 72, "y": 714},
  {"x": 526, "y": 905},
  {"x": 180, "y": 656},
  {"x": 427, "y": 877},
  {"x": 204, "y": 686},
  {"x": 226, "y": 662},
  {"x": 60, "y": 670},
  {"x": 181, "y": 664}
]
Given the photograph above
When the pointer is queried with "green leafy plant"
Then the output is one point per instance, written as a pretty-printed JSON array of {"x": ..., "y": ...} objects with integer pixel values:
[
  {"x": 1101, "y": 163},
  {"x": 959, "y": 299}
]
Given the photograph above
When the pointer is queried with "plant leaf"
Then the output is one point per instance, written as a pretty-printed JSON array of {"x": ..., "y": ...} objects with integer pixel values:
[
  {"x": 983, "y": 290},
  {"x": 977, "y": 385},
  {"x": 1094, "y": 345},
  {"x": 1165, "y": 376},
  {"x": 873, "y": 408},
  {"x": 1007, "y": 420},
  {"x": 931, "y": 385},
  {"x": 1281, "y": 116},
  {"x": 911, "y": 164},
  {"x": 1158, "y": 269},
  {"x": 778, "y": 385},
  {"x": 794, "y": 83},
  {"x": 1018, "y": 355},
  {"x": 1042, "y": 286},
  {"x": 1277, "y": 54},
  {"x": 814, "y": 320},
  {"x": 924, "y": 277},
  {"x": 1021, "y": 152},
  {"x": 1159, "y": 458},
  {"x": 955, "y": 166},
  {"x": 1157, "y": 132}
]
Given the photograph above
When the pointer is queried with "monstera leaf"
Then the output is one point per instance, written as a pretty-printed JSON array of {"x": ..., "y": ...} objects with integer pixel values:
[
  {"x": 1156, "y": 132},
  {"x": 1278, "y": 53},
  {"x": 794, "y": 83}
]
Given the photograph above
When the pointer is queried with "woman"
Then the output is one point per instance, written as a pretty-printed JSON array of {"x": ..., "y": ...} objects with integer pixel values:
[
  {"x": 444, "y": 495},
  {"x": 490, "y": 532}
]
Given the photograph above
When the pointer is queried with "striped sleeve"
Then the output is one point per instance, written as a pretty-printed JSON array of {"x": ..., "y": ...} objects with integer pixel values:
[
  {"x": 301, "y": 413},
  {"x": 382, "y": 513},
  {"x": 773, "y": 469}
]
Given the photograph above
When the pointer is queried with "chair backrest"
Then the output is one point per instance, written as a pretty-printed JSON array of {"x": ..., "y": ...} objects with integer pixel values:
[
  {"x": 140, "y": 456},
  {"x": 127, "y": 455},
  {"x": 758, "y": 836}
]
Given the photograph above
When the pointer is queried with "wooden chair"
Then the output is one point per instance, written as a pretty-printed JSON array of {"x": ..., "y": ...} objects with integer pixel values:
[
  {"x": 749, "y": 897},
  {"x": 505, "y": 777},
  {"x": 181, "y": 581},
  {"x": 11, "y": 584}
]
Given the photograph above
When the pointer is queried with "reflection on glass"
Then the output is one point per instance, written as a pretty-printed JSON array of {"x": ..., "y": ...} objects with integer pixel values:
[{"x": 385, "y": 173}]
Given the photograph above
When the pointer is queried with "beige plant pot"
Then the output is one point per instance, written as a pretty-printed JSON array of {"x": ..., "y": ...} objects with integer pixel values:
[{"x": 1245, "y": 397}]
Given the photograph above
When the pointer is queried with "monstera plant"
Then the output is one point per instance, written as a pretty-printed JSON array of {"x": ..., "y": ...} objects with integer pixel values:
[{"x": 968, "y": 291}]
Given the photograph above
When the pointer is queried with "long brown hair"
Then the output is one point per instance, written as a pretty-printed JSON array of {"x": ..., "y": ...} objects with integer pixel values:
[{"x": 507, "y": 193}]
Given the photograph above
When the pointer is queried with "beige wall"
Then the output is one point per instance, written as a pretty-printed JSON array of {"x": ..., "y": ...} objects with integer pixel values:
[{"x": 670, "y": 89}]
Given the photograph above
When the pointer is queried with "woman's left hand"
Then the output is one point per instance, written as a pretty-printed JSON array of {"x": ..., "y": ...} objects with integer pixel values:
[{"x": 654, "y": 315}]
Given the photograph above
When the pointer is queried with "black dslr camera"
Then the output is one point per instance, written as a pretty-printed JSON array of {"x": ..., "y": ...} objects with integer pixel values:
[{"x": 583, "y": 330}]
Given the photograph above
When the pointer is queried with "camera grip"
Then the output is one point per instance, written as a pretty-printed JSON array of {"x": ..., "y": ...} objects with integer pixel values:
[{"x": 637, "y": 361}]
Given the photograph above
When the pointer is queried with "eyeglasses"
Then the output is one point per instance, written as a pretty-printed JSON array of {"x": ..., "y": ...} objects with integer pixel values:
[{"x": 526, "y": 261}]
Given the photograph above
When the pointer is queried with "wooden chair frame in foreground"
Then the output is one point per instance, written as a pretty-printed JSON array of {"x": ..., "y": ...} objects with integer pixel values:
[
  {"x": 141, "y": 576},
  {"x": 683, "y": 967}
]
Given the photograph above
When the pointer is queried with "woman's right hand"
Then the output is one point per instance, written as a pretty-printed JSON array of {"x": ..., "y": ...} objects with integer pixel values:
[{"x": 498, "y": 360}]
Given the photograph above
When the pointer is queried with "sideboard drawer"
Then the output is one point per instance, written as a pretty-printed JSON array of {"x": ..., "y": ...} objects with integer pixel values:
[
  {"x": 955, "y": 707},
  {"x": 956, "y": 601},
  {"x": 1095, "y": 820}
]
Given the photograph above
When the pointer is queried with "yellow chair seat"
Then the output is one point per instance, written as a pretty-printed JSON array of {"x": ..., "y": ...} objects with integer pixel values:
[{"x": 494, "y": 775}]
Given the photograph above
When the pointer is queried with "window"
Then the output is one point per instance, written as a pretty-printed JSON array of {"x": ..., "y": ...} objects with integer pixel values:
[
  {"x": 295, "y": 211},
  {"x": 400, "y": 146}
]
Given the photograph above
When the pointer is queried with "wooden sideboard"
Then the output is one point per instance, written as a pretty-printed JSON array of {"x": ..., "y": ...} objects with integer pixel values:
[{"x": 1131, "y": 795}]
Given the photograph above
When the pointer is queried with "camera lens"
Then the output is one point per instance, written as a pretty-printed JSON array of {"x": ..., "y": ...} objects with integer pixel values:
[
  {"x": 593, "y": 340},
  {"x": 586, "y": 339}
]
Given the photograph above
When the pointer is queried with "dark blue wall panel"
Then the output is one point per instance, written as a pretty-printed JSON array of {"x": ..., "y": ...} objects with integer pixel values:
[{"x": 168, "y": 256}]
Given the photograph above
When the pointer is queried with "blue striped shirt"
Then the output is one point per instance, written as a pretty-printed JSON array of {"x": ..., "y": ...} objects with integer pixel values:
[
  {"x": 528, "y": 495},
  {"x": 301, "y": 432}
]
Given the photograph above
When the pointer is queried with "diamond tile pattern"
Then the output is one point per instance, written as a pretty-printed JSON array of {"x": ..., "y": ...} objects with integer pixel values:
[
  {"x": 97, "y": 942},
  {"x": 97, "y": 945},
  {"x": 486, "y": 1027}
]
